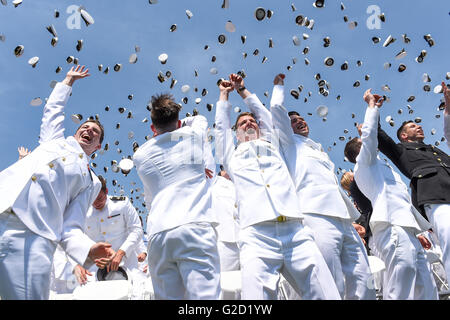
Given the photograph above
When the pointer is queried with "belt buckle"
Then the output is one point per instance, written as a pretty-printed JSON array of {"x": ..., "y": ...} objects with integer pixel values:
[{"x": 281, "y": 218}]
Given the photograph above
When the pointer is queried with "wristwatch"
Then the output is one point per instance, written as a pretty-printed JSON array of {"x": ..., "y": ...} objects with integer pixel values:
[{"x": 241, "y": 89}]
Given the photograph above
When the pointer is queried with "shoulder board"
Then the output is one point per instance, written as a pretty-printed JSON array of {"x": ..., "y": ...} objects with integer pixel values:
[{"x": 118, "y": 198}]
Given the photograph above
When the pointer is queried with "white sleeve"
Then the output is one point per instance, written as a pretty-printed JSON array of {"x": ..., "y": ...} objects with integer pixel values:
[
  {"x": 223, "y": 134},
  {"x": 281, "y": 121},
  {"x": 262, "y": 115},
  {"x": 73, "y": 239},
  {"x": 134, "y": 228},
  {"x": 52, "y": 126},
  {"x": 368, "y": 152}
]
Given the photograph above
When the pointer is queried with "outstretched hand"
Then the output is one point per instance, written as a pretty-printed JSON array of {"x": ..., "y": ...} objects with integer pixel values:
[
  {"x": 101, "y": 253},
  {"x": 76, "y": 73},
  {"x": 373, "y": 100},
  {"x": 279, "y": 79},
  {"x": 23, "y": 152}
]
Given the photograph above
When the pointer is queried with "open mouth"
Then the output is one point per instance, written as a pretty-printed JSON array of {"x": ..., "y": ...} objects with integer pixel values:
[
  {"x": 86, "y": 137},
  {"x": 251, "y": 131}
]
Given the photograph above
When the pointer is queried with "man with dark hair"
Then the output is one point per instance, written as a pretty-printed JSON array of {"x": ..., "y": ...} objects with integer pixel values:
[
  {"x": 272, "y": 239},
  {"x": 428, "y": 169},
  {"x": 114, "y": 220},
  {"x": 395, "y": 222},
  {"x": 182, "y": 254},
  {"x": 327, "y": 209},
  {"x": 45, "y": 197}
]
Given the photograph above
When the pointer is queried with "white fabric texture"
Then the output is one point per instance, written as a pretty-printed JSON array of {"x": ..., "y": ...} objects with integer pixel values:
[
  {"x": 344, "y": 253},
  {"x": 225, "y": 208},
  {"x": 408, "y": 275},
  {"x": 439, "y": 217},
  {"x": 229, "y": 256},
  {"x": 25, "y": 261},
  {"x": 270, "y": 248},
  {"x": 264, "y": 188},
  {"x": 173, "y": 164},
  {"x": 184, "y": 263}
]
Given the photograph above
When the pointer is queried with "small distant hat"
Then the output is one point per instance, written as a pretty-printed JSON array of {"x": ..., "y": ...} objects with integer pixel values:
[
  {"x": 329, "y": 61},
  {"x": 87, "y": 18},
  {"x": 322, "y": 111},
  {"x": 163, "y": 58},
  {"x": 18, "y": 51},
  {"x": 104, "y": 275},
  {"x": 117, "y": 67},
  {"x": 33, "y": 61},
  {"x": 133, "y": 58},
  {"x": 126, "y": 165},
  {"x": 401, "y": 67},
  {"x": 229, "y": 26},
  {"x": 76, "y": 118},
  {"x": 36, "y": 102},
  {"x": 79, "y": 45},
  {"x": 319, "y": 3},
  {"x": 222, "y": 38},
  {"x": 260, "y": 13},
  {"x": 189, "y": 14}
]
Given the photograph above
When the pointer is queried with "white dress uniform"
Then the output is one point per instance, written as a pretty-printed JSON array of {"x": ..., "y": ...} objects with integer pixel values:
[
  {"x": 45, "y": 197},
  {"x": 182, "y": 253},
  {"x": 116, "y": 223},
  {"x": 272, "y": 238},
  {"x": 394, "y": 221},
  {"x": 225, "y": 207},
  {"x": 326, "y": 208}
]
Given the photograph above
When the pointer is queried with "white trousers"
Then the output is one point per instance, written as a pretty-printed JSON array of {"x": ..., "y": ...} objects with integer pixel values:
[
  {"x": 408, "y": 275},
  {"x": 270, "y": 248},
  {"x": 345, "y": 255},
  {"x": 439, "y": 217},
  {"x": 184, "y": 263},
  {"x": 229, "y": 256},
  {"x": 25, "y": 261}
]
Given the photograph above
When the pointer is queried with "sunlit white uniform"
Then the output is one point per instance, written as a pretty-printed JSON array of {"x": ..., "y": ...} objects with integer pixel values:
[
  {"x": 49, "y": 192},
  {"x": 394, "y": 221},
  {"x": 327, "y": 209}
]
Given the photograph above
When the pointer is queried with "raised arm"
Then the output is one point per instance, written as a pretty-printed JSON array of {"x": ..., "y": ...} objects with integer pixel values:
[
  {"x": 368, "y": 152},
  {"x": 223, "y": 133},
  {"x": 52, "y": 126},
  {"x": 280, "y": 118}
]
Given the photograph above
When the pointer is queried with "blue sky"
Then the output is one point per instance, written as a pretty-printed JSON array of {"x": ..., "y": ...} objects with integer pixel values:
[{"x": 121, "y": 25}]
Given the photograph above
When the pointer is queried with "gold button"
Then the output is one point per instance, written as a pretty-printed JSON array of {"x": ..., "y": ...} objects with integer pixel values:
[
  {"x": 439, "y": 159},
  {"x": 33, "y": 178},
  {"x": 81, "y": 156},
  {"x": 258, "y": 155},
  {"x": 235, "y": 205},
  {"x": 267, "y": 185},
  {"x": 262, "y": 170},
  {"x": 89, "y": 227},
  {"x": 435, "y": 153},
  {"x": 51, "y": 165},
  {"x": 102, "y": 220},
  {"x": 420, "y": 176},
  {"x": 63, "y": 158},
  {"x": 104, "y": 232}
]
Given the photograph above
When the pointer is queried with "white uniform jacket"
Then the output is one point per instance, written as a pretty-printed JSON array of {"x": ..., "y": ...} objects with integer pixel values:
[
  {"x": 383, "y": 186},
  {"x": 171, "y": 167},
  {"x": 264, "y": 188},
  {"x": 310, "y": 167},
  {"x": 51, "y": 189},
  {"x": 225, "y": 207},
  {"x": 117, "y": 223}
]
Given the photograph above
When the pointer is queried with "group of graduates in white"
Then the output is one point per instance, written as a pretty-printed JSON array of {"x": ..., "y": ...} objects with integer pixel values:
[{"x": 275, "y": 212}]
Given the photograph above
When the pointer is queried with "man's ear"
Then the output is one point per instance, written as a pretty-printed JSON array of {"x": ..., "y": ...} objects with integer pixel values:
[
  {"x": 153, "y": 129},
  {"x": 403, "y": 136}
]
